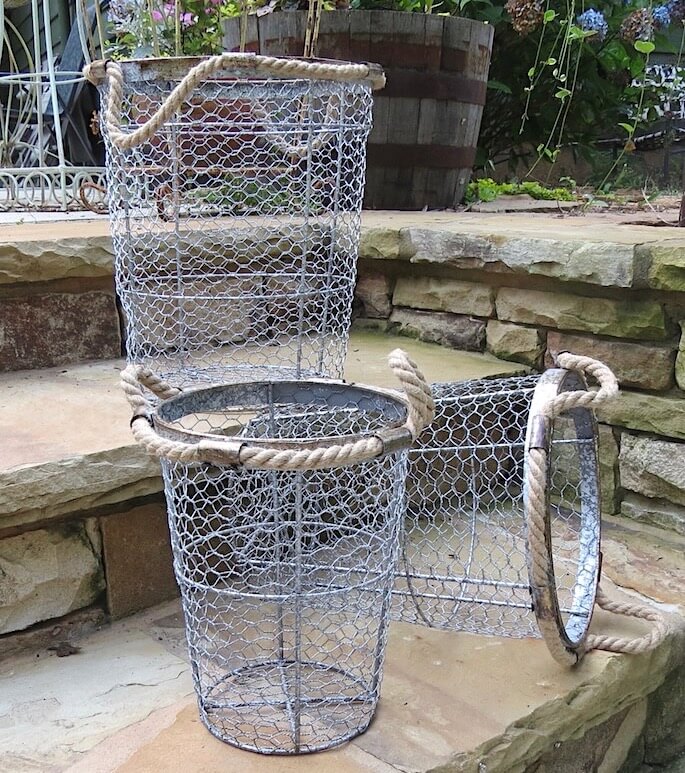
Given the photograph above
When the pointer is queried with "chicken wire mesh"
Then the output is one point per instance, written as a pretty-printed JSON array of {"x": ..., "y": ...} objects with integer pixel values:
[
  {"x": 464, "y": 561},
  {"x": 285, "y": 576},
  {"x": 236, "y": 225}
]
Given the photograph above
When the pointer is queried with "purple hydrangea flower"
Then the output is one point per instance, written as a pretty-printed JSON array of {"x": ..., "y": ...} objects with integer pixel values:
[{"x": 595, "y": 21}]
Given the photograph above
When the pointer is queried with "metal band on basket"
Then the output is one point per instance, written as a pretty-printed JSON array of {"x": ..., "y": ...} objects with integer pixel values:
[{"x": 563, "y": 615}]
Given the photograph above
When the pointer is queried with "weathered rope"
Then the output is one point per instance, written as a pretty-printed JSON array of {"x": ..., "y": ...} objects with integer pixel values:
[
  {"x": 634, "y": 645},
  {"x": 541, "y": 568},
  {"x": 97, "y": 72},
  {"x": 419, "y": 414},
  {"x": 564, "y": 401}
]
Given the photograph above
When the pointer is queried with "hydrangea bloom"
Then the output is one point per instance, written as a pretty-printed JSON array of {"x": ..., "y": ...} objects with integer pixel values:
[
  {"x": 661, "y": 15},
  {"x": 594, "y": 21}
]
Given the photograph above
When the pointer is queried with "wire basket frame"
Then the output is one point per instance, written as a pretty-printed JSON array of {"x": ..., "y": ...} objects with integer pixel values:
[
  {"x": 465, "y": 557},
  {"x": 236, "y": 224},
  {"x": 285, "y": 575}
]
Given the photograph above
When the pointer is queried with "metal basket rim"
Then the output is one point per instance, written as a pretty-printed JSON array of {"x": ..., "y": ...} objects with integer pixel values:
[{"x": 167, "y": 428}]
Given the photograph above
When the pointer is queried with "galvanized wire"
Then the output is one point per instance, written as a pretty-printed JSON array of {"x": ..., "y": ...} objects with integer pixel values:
[
  {"x": 236, "y": 226},
  {"x": 285, "y": 576},
  {"x": 464, "y": 562}
]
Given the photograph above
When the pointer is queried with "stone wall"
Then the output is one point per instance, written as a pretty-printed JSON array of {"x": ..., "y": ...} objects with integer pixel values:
[{"x": 524, "y": 299}]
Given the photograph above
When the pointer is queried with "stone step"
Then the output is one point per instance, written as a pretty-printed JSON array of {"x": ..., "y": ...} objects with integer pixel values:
[
  {"x": 450, "y": 702},
  {"x": 58, "y": 303},
  {"x": 81, "y": 509}
]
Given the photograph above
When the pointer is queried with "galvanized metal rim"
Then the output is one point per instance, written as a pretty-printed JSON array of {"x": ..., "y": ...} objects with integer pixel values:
[
  {"x": 166, "y": 427},
  {"x": 539, "y": 433}
]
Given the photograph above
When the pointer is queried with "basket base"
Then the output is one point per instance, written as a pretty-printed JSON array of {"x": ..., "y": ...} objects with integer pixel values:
[{"x": 287, "y": 707}]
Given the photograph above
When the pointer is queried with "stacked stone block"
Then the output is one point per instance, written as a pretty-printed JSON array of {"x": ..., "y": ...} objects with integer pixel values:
[{"x": 523, "y": 299}]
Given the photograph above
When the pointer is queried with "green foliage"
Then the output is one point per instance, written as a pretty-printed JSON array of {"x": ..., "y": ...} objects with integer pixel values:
[
  {"x": 146, "y": 28},
  {"x": 486, "y": 189},
  {"x": 564, "y": 86}
]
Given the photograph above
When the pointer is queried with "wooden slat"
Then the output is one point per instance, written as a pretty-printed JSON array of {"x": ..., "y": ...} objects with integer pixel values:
[
  {"x": 426, "y": 121},
  {"x": 360, "y": 42},
  {"x": 433, "y": 33},
  {"x": 334, "y": 35}
]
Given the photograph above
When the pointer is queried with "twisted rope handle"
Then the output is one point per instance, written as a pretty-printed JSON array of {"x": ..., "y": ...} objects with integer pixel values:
[
  {"x": 97, "y": 72},
  {"x": 541, "y": 568},
  {"x": 604, "y": 376},
  {"x": 234, "y": 451},
  {"x": 623, "y": 644}
]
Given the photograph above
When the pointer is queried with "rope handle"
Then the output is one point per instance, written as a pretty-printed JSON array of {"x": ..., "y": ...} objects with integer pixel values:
[
  {"x": 237, "y": 451},
  {"x": 541, "y": 569},
  {"x": 98, "y": 72},
  {"x": 622, "y": 644},
  {"x": 604, "y": 376}
]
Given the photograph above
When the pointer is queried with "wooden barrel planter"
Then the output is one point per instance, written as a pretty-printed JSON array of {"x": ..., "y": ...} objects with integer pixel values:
[{"x": 426, "y": 120}]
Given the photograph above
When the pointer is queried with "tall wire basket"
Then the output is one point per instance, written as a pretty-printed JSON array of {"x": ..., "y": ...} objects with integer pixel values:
[
  {"x": 235, "y": 187},
  {"x": 499, "y": 540},
  {"x": 285, "y": 504}
]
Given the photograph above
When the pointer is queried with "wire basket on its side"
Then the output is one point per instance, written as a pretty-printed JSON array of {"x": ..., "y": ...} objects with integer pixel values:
[{"x": 495, "y": 544}]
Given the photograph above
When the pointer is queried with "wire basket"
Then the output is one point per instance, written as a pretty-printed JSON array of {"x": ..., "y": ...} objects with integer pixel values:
[
  {"x": 235, "y": 187},
  {"x": 285, "y": 504},
  {"x": 474, "y": 557}
]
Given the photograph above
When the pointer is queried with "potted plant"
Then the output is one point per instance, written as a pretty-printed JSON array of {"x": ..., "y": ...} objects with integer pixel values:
[{"x": 426, "y": 121}]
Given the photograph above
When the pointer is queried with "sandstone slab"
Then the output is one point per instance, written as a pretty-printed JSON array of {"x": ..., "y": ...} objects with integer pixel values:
[
  {"x": 449, "y": 703},
  {"x": 657, "y": 512},
  {"x": 603, "y": 316},
  {"x": 57, "y": 256},
  {"x": 664, "y": 732},
  {"x": 40, "y": 331},
  {"x": 46, "y": 574},
  {"x": 646, "y": 413},
  {"x": 138, "y": 560},
  {"x": 653, "y": 468},
  {"x": 380, "y": 243},
  {"x": 680, "y": 359},
  {"x": 571, "y": 260},
  {"x": 514, "y": 342},
  {"x": 373, "y": 292},
  {"x": 452, "y": 330},
  {"x": 608, "y": 469},
  {"x": 635, "y": 365},
  {"x": 522, "y": 202},
  {"x": 666, "y": 266},
  {"x": 645, "y": 559},
  {"x": 438, "y": 294},
  {"x": 39, "y": 492}
]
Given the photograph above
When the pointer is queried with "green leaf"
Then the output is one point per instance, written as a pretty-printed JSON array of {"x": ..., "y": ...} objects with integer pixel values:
[
  {"x": 499, "y": 86},
  {"x": 637, "y": 66},
  {"x": 549, "y": 16},
  {"x": 644, "y": 46},
  {"x": 531, "y": 72},
  {"x": 551, "y": 61},
  {"x": 628, "y": 127},
  {"x": 562, "y": 94}
]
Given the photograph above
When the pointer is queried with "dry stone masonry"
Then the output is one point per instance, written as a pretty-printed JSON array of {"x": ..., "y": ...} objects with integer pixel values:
[
  {"x": 523, "y": 294},
  {"x": 83, "y": 530}
]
